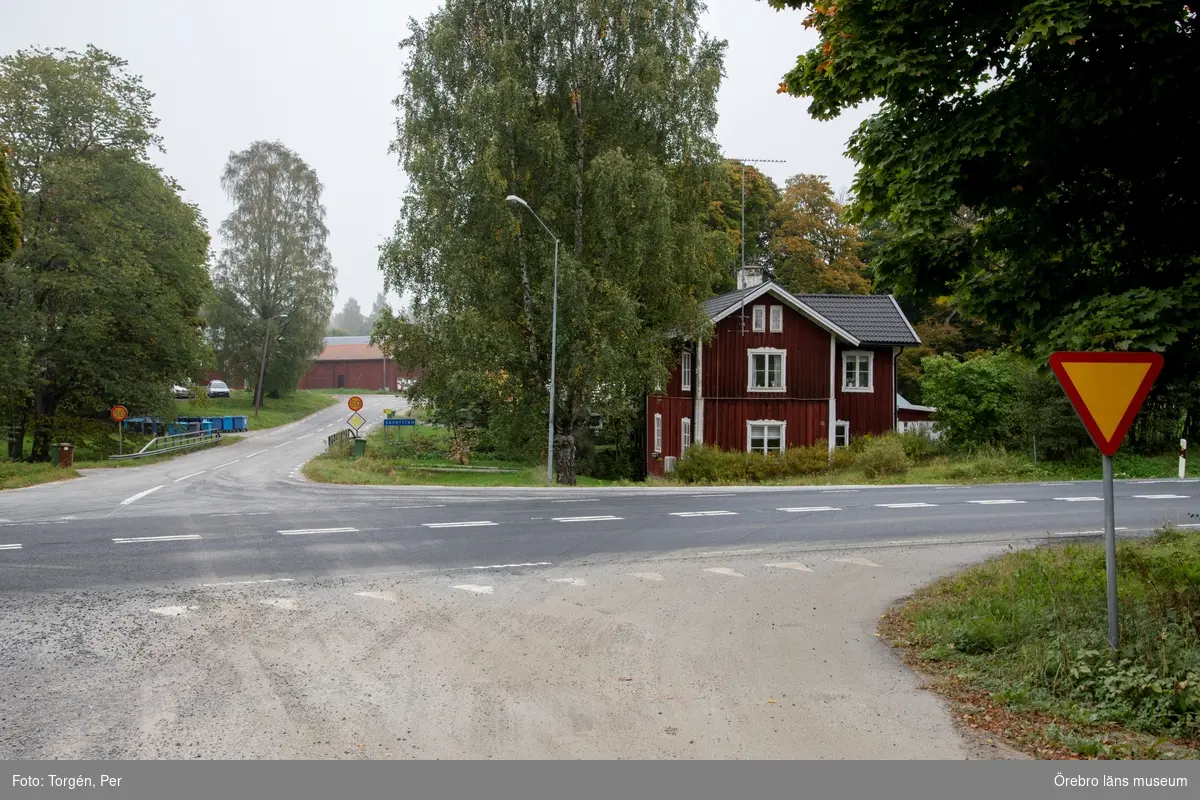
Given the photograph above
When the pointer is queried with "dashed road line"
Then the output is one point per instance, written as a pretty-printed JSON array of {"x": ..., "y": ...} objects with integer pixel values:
[
  {"x": 796, "y": 565},
  {"x": 140, "y": 539},
  {"x": 247, "y": 583},
  {"x": 259, "y": 453},
  {"x": 194, "y": 474},
  {"x": 703, "y": 513},
  {"x": 285, "y": 444},
  {"x": 435, "y": 505},
  {"x": 996, "y": 502},
  {"x": 647, "y": 576},
  {"x": 387, "y": 596},
  {"x": 470, "y": 524},
  {"x": 905, "y": 505},
  {"x": 713, "y": 494},
  {"x": 140, "y": 495},
  {"x": 10, "y": 547},
  {"x": 1161, "y": 496},
  {"x": 917, "y": 541},
  {"x": 308, "y": 531},
  {"x": 580, "y": 500},
  {"x": 801, "y": 509},
  {"x": 227, "y": 464},
  {"x": 510, "y": 566},
  {"x": 733, "y": 573},
  {"x": 571, "y": 581},
  {"x": 476, "y": 588},
  {"x": 731, "y": 552},
  {"x": 838, "y": 491},
  {"x": 1086, "y": 499},
  {"x": 601, "y": 518},
  {"x": 862, "y": 562},
  {"x": 1085, "y": 533}
]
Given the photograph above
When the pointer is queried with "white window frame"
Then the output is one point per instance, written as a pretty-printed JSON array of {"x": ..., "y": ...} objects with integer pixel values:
[
  {"x": 857, "y": 355},
  {"x": 758, "y": 319},
  {"x": 839, "y": 424},
  {"x": 657, "y": 433},
  {"x": 685, "y": 435},
  {"x": 782, "y": 425},
  {"x": 685, "y": 371},
  {"x": 766, "y": 351},
  {"x": 776, "y": 319}
]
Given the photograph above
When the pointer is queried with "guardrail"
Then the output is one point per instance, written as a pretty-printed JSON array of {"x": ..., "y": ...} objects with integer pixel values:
[{"x": 169, "y": 444}]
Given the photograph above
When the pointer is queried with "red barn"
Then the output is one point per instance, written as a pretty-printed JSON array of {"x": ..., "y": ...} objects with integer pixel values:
[
  {"x": 781, "y": 371},
  {"x": 352, "y": 362}
]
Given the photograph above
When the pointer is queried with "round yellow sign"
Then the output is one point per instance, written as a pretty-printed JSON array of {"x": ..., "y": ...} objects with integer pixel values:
[
  {"x": 119, "y": 413},
  {"x": 355, "y": 403}
]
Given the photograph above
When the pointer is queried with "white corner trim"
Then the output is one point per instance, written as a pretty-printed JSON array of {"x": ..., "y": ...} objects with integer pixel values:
[
  {"x": 870, "y": 371},
  {"x": 751, "y": 353},
  {"x": 750, "y": 423}
]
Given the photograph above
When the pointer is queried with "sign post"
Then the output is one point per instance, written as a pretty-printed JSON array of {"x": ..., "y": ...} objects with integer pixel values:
[
  {"x": 1107, "y": 390},
  {"x": 118, "y": 414}
]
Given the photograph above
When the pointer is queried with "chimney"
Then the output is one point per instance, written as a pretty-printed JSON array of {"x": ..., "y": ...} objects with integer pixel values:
[{"x": 748, "y": 277}]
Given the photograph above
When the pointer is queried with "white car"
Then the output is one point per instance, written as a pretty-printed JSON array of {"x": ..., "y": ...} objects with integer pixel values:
[
  {"x": 218, "y": 389},
  {"x": 181, "y": 392}
]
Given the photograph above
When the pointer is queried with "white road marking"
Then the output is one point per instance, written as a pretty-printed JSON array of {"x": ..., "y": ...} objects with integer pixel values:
[
  {"x": 305, "y": 436},
  {"x": 796, "y": 565},
  {"x": 731, "y": 552},
  {"x": 140, "y": 495},
  {"x": 1080, "y": 499},
  {"x": 916, "y": 541},
  {"x": 604, "y": 518},
  {"x": 306, "y": 531},
  {"x": 995, "y": 502},
  {"x": 714, "y": 494},
  {"x": 703, "y": 513},
  {"x": 282, "y": 603},
  {"x": 438, "y": 505},
  {"x": 733, "y": 573},
  {"x": 580, "y": 500},
  {"x": 838, "y": 491},
  {"x": 1166, "y": 480},
  {"x": 259, "y": 453},
  {"x": 1185, "y": 525},
  {"x": 226, "y": 464},
  {"x": 1085, "y": 533},
  {"x": 572, "y": 581},
  {"x": 10, "y": 547},
  {"x": 138, "y": 539},
  {"x": 808, "y": 508},
  {"x": 647, "y": 576},
  {"x": 388, "y": 596},
  {"x": 476, "y": 588},
  {"x": 905, "y": 505},
  {"x": 285, "y": 444},
  {"x": 248, "y": 583},
  {"x": 862, "y": 562},
  {"x": 474, "y": 524},
  {"x": 194, "y": 474},
  {"x": 1066, "y": 483},
  {"x": 173, "y": 611},
  {"x": 508, "y": 566},
  {"x": 1161, "y": 496}
]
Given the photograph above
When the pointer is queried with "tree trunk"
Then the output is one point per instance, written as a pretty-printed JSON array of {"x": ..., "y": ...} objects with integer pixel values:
[
  {"x": 564, "y": 458},
  {"x": 44, "y": 407}
]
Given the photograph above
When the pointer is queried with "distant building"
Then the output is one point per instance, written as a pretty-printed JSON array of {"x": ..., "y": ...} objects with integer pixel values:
[
  {"x": 911, "y": 417},
  {"x": 352, "y": 362}
]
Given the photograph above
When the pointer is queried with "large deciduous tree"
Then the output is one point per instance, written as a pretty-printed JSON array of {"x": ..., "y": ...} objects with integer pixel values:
[
  {"x": 600, "y": 114},
  {"x": 813, "y": 248},
  {"x": 1035, "y": 159},
  {"x": 101, "y": 303},
  {"x": 725, "y": 213},
  {"x": 274, "y": 278}
]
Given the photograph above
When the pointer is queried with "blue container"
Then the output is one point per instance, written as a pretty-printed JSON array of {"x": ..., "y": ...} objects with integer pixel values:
[
  {"x": 226, "y": 423},
  {"x": 206, "y": 426},
  {"x": 241, "y": 423}
]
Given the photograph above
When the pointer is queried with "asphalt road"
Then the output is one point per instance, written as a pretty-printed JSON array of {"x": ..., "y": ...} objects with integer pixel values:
[{"x": 244, "y": 512}]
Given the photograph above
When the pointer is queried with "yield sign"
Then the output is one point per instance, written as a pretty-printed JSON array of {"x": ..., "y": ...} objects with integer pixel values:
[{"x": 1107, "y": 390}]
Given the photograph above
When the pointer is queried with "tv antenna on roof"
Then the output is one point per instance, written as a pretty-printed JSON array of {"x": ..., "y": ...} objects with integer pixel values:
[{"x": 743, "y": 162}]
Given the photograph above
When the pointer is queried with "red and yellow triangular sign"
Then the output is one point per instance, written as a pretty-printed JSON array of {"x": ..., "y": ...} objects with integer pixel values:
[{"x": 1107, "y": 390}]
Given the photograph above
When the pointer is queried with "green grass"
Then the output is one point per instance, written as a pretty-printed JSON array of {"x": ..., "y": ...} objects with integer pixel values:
[
  {"x": 272, "y": 414},
  {"x": 19, "y": 474},
  {"x": 1022, "y": 639}
]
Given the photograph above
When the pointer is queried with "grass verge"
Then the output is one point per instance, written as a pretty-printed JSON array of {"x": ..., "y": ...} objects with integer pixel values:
[
  {"x": 1017, "y": 645},
  {"x": 19, "y": 474},
  {"x": 273, "y": 413}
]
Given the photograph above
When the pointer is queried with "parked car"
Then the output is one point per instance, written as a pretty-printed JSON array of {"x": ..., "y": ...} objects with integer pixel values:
[
  {"x": 181, "y": 392},
  {"x": 218, "y": 389}
]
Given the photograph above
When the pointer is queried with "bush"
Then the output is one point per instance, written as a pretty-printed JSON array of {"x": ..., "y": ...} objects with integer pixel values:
[
  {"x": 883, "y": 456},
  {"x": 920, "y": 446},
  {"x": 705, "y": 464},
  {"x": 807, "y": 460},
  {"x": 987, "y": 463}
]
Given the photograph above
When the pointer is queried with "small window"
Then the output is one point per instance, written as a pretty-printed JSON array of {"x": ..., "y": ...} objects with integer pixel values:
[
  {"x": 856, "y": 372},
  {"x": 685, "y": 372},
  {"x": 776, "y": 319},
  {"x": 765, "y": 436},
  {"x": 841, "y": 434},
  {"x": 685, "y": 436},
  {"x": 766, "y": 370},
  {"x": 759, "y": 317},
  {"x": 658, "y": 433}
]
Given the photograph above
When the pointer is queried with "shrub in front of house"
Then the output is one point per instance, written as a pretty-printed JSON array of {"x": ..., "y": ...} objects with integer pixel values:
[
  {"x": 882, "y": 456},
  {"x": 807, "y": 460},
  {"x": 705, "y": 464}
]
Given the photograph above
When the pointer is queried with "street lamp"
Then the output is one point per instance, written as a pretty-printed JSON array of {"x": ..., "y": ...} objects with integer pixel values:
[
  {"x": 262, "y": 369},
  {"x": 517, "y": 202}
]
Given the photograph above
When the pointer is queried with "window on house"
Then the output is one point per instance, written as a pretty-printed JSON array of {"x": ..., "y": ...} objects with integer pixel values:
[
  {"x": 685, "y": 372},
  {"x": 658, "y": 433},
  {"x": 765, "y": 436},
  {"x": 841, "y": 433},
  {"x": 776, "y": 319},
  {"x": 685, "y": 434},
  {"x": 856, "y": 372},
  {"x": 767, "y": 370},
  {"x": 759, "y": 319}
]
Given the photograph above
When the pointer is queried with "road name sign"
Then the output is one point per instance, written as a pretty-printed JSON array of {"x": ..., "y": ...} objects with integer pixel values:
[
  {"x": 119, "y": 413},
  {"x": 355, "y": 403},
  {"x": 399, "y": 422},
  {"x": 1107, "y": 390},
  {"x": 356, "y": 421}
]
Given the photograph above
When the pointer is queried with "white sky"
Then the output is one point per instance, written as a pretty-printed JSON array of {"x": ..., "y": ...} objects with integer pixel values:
[{"x": 320, "y": 77}]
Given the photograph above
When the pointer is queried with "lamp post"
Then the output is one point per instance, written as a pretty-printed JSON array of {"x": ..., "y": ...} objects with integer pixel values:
[
  {"x": 262, "y": 368},
  {"x": 517, "y": 202}
]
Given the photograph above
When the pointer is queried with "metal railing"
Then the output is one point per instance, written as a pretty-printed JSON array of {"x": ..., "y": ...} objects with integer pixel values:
[{"x": 169, "y": 444}]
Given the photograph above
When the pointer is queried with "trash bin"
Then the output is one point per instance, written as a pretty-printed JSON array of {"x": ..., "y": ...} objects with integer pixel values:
[
  {"x": 66, "y": 454},
  {"x": 360, "y": 448}
]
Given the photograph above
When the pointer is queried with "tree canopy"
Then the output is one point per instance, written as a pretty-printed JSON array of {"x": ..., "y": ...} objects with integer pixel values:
[
  {"x": 10, "y": 211},
  {"x": 813, "y": 248}
]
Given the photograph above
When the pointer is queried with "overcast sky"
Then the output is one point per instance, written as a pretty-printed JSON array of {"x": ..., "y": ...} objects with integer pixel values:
[{"x": 321, "y": 76}]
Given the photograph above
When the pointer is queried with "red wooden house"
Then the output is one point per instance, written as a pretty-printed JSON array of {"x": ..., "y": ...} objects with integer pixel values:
[{"x": 781, "y": 370}]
